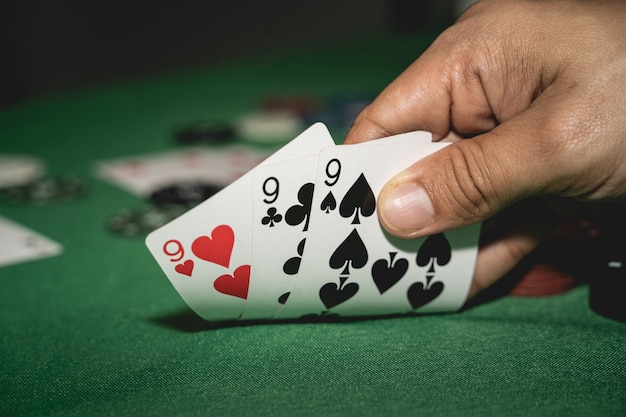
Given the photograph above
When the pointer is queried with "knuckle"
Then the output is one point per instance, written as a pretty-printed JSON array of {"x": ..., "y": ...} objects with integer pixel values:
[
  {"x": 372, "y": 124},
  {"x": 557, "y": 142}
]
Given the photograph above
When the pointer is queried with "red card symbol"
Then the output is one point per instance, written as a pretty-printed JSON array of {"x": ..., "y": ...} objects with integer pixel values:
[
  {"x": 186, "y": 268},
  {"x": 217, "y": 248},
  {"x": 236, "y": 284}
]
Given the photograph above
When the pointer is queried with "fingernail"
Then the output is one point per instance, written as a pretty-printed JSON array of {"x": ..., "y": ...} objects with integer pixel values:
[{"x": 406, "y": 208}]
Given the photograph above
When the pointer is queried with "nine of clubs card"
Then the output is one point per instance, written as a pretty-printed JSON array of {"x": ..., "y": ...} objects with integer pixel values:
[{"x": 282, "y": 194}]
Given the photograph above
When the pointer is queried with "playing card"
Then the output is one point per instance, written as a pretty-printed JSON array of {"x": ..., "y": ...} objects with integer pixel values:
[
  {"x": 351, "y": 266},
  {"x": 282, "y": 194},
  {"x": 20, "y": 244},
  {"x": 143, "y": 174},
  {"x": 206, "y": 253}
]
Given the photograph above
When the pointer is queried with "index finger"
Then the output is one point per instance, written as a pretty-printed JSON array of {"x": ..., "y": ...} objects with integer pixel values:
[
  {"x": 453, "y": 87},
  {"x": 418, "y": 99}
]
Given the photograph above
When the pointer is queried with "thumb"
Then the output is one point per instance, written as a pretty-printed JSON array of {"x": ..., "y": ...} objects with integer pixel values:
[{"x": 469, "y": 181}]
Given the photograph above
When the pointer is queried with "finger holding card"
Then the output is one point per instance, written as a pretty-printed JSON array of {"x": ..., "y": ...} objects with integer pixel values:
[
  {"x": 351, "y": 266},
  {"x": 299, "y": 235}
]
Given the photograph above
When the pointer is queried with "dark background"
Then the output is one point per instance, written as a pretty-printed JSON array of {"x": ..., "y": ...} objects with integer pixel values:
[{"x": 47, "y": 47}]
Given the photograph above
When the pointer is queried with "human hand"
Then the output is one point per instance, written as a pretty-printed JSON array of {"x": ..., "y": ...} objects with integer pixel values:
[{"x": 540, "y": 89}]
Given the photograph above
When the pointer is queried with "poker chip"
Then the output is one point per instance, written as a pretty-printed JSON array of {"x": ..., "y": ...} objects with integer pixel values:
[
  {"x": 268, "y": 126},
  {"x": 141, "y": 221},
  {"x": 340, "y": 111},
  {"x": 46, "y": 190},
  {"x": 184, "y": 194},
  {"x": 300, "y": 105},
  {"x": 543, "y": 280},
  {"x": 607, "y": 289},
  {"x": 18, "y": 170},
  {"x": 205, "y": 132},
  {"x": 607, "y": 284}
]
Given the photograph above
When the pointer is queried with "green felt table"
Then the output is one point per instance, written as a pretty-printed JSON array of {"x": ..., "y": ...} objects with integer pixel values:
[{"x": 99, "y": 330}]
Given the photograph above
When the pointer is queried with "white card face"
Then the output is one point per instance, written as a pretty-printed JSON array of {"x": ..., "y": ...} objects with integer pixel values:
[
  {"x": 19, "y": 244},
  {"x": 352, "y": 267},
  {"x": 282, "y": 194},
  {"x": 143, "y": 174},
  {"x": 281, "y": 202},
  {"x": 206, "y": 253}
]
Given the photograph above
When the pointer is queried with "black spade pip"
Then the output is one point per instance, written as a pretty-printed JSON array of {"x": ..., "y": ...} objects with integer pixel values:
[
  {"x": 386, "y": 274},
  {"x": 332, "y": 294},
  {"x": 359, "y": 197},
  {"x": 435, "y": 250},
  {"x": 351, "y": 252},
  {"x": 419, "y": 295}
]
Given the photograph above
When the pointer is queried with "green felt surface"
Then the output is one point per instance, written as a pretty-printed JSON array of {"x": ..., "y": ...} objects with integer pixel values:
[{"x": 100, "y": 331}]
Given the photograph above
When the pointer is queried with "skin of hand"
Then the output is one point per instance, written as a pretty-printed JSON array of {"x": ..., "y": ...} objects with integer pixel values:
[{"x": 533, "y": 96}]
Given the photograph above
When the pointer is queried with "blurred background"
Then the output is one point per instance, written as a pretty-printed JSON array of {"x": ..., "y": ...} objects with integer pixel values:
[{"x": 52, "y": 47}]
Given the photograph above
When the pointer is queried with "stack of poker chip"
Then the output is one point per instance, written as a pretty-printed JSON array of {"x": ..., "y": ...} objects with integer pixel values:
[
  {"x": 204, "y": 132},
  {"x": 268, "y": 126},
  {"x": 560, "y": 263},
  {"x": 19, "y": 170},
  {"x": 277, "y": 119},
  {"x": 141, "y": 221},
  {"x": 23, "y": 180},
  {"x": 167, "y": 203},
  {"x": 607, "y": 282},
  {"x": 544, "y": 279}
]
